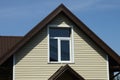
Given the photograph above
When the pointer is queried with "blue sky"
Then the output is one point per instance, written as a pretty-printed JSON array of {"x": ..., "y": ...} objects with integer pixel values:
[{"x": 17, "y": 17}]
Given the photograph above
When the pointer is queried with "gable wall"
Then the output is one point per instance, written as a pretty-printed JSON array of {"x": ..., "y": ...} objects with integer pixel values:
[{"x": 31, "y": 62}]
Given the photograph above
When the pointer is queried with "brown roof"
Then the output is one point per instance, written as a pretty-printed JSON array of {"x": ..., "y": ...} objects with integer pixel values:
[
  {"x": 63, "y": 70},
  {"x": 81, "y": 26},
  {"x": 7, "y": 42}
]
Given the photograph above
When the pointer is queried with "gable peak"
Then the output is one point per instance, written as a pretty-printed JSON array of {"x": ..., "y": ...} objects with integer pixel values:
[{"x": 61, "y": 5}]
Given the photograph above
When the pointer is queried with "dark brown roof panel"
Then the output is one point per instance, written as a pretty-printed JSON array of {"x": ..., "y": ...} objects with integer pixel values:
[{"x": 7, "y": 42}]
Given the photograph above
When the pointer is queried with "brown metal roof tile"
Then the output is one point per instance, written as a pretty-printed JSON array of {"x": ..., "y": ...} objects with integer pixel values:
[{"x": 7, "y": 42}]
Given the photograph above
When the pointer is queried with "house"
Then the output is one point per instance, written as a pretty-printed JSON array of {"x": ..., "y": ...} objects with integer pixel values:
[{"x": 60, "y": 47}]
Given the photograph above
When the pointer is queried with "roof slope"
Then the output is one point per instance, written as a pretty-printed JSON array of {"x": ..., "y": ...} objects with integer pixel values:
[
  {"x": 7, "y": 42},
  {"x": 62, "y": 71},
  {"x": 73, "y": 18}
]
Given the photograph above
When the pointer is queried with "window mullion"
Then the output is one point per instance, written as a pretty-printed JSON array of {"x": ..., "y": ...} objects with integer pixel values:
[
  {"x": 70, "y": 47},
  {"x": 59, "y": 51}
]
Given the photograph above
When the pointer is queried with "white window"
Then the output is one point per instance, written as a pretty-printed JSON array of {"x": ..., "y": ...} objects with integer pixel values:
[{"x": 60, "y": 44}]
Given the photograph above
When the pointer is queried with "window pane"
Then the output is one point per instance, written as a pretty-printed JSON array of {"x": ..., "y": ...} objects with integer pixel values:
[
  {"x": 60, "y": 32},
  {"x": 53, "y": 50},
  {"x": 65, "y": 50}
]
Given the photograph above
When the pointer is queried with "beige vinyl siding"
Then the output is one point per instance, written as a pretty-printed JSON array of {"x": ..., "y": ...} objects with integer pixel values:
[
  {"x": 90, "y": 60},
  {"x": 32, "y": 60}
]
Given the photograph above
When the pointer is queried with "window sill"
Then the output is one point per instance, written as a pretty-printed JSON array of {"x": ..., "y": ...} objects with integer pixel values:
[{"x": 61, "y": 62}]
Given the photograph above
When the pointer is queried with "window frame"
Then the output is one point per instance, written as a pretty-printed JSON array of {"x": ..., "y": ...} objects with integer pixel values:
[{"x": 71, "y": 44}]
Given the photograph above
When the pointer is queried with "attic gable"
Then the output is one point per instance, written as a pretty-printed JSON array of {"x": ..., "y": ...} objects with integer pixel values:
[{"x": 62, "y": 10}]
